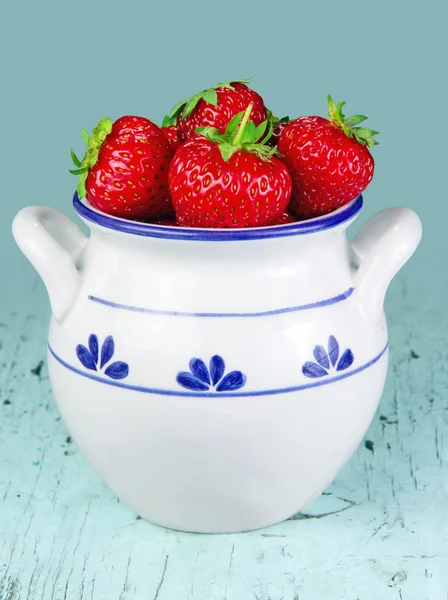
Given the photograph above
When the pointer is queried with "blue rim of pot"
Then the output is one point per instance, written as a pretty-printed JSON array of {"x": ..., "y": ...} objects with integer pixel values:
[{"x": 318, "y": 224}]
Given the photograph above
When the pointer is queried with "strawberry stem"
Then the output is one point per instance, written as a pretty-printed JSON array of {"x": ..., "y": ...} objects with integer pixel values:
[
  {"x": 242, "y": 125},
  {"x": 241, "y": 135},
  {"x": 361, "y": 134}
]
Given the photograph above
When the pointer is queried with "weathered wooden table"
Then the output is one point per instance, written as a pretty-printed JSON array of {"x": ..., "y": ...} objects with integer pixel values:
[{"x": 378, "y": 533}]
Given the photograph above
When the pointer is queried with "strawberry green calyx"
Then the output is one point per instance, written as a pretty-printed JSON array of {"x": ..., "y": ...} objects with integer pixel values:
[
  {"x": 169, "y": 121},
  {"x": 186, "y": 107},
  {"x": 275, "y": 120},
  {"x": 241, "y": 135},
  {"x": 94, "y": 143},
  {"x": 349, "y": 126}
]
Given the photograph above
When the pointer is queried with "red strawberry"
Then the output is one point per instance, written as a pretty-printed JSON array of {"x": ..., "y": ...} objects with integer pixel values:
[
  {"x": 284, "y": 219},
  {"x": 168, "y": 222},
  {"x": 329, "y": 160},
  {"x": 216, "y": 107},
  {"x": 278, "y": 126},
  {"x": 169, "y": 130},
  {"x": 124, "y": 171},
  {"x": 228, "y": 180}
]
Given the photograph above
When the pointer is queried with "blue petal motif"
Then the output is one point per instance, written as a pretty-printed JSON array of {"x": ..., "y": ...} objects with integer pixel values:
[
  {"x": 313, "y": 370},
  {"x": 232, "y": 381},
  {"x": 199, "y": 369},
  {"x": 217, "y": 368},
  {"x": 189, "y": 381},
  {"x": 320, "y": 354},
  {"x": 345, "y": 361},
  {"x": 93, "y": 347},
  {"x": 85, "y": 357},
  {"x": 107, "y": 350},
  {"x": 117, "y": 370},
  {"x": 333, "y": 349}
]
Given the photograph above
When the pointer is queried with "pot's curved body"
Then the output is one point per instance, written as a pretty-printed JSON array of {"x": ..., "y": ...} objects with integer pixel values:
[{"x": 218, "y": 381}]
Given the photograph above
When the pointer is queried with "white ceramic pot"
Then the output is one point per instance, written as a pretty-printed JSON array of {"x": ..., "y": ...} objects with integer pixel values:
[{"x": 217, "y": 380}]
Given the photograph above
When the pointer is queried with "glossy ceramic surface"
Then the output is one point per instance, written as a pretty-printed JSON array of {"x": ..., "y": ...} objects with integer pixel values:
[{"x": 203, "y": 372}]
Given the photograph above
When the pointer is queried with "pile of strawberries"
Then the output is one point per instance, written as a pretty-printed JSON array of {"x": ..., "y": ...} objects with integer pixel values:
[{"x": 222, "y": 159}]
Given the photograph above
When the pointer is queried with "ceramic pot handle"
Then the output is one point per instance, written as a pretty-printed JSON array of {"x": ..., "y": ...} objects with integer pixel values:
[
  {"x": 383, "y": 245},
  {"x": 52, "y": 243}
]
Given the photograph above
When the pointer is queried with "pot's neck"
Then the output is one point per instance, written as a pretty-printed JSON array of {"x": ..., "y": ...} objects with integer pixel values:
[
  {"x": 271, "y": 250},
  {"x": 244, "y": 276}
]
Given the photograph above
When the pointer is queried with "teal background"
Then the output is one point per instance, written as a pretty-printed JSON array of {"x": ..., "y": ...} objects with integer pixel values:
[
  {"x": 380, "y": 531},
  {"x": 65, "y": 65}
]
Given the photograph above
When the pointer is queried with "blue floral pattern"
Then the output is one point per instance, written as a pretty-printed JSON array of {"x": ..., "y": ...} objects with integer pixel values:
[
  {"x": 328, "y": 359},
  {"x": 202, "y": 378},
  {"x": 94, "y": 360}
]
